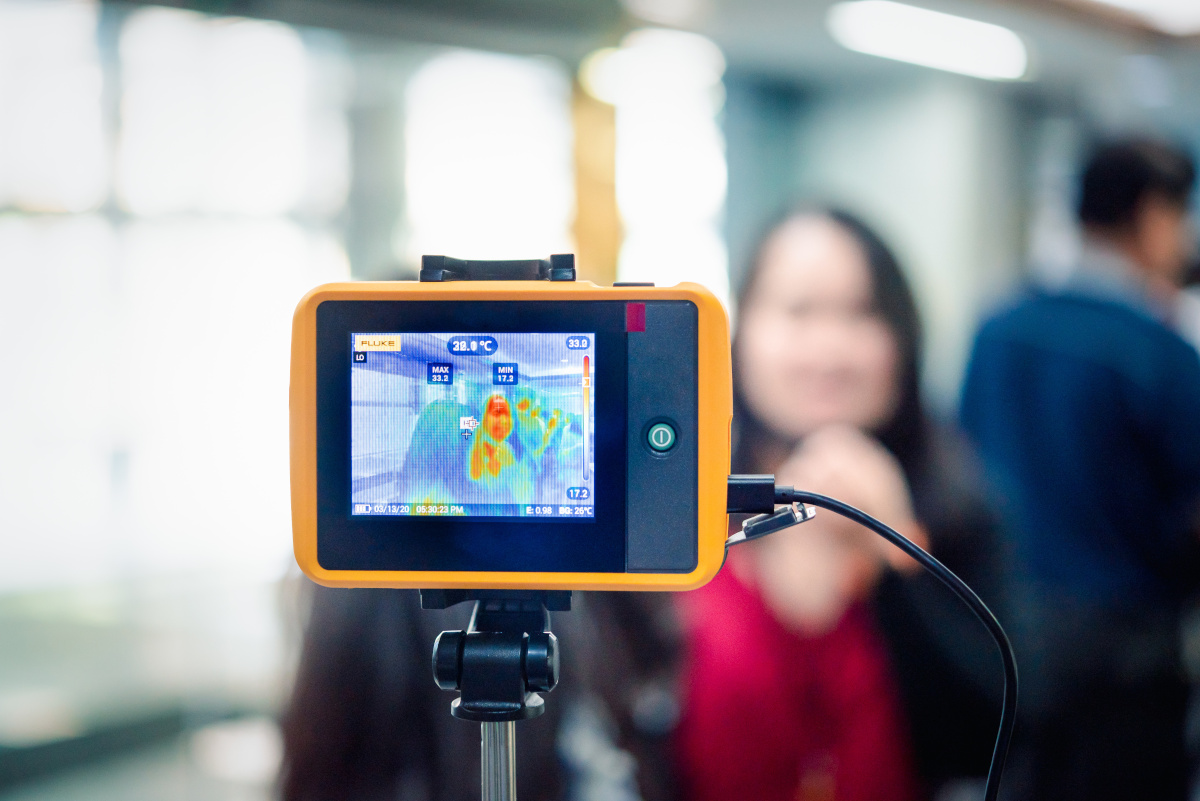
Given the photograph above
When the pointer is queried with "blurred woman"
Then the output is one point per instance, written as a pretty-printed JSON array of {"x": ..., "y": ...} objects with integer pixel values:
[{"x": 815, "y": 670}]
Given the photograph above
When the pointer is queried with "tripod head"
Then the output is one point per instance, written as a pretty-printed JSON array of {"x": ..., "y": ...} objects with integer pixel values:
[
  {"x": 506, "y": 656},
  {"x": 498, "y": 665}
]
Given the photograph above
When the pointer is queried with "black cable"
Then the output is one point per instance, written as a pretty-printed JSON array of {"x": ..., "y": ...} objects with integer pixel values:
[{"x": 1008, "y": 712}]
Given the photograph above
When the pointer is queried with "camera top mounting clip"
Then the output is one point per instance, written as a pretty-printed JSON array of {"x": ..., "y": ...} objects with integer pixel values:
[{"x": 559, "y": 267}]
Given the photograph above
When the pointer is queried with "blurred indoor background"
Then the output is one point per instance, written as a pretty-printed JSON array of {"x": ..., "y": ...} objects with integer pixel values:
[{"x": 173, "y": 179}]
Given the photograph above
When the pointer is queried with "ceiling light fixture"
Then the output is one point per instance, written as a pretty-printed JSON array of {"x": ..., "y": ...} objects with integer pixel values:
[{"x": 929, "y": 38}]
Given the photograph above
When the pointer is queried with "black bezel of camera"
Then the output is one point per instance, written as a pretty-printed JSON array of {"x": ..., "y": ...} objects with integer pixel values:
[{"x": 348, "y": 542}]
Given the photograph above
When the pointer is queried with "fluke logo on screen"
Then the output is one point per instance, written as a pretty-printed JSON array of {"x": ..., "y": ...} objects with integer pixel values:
[{"x": 368, "y": 342}]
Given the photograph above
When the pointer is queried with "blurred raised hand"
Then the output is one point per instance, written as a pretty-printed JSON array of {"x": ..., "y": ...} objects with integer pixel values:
[{"x": 809, "y": 576}]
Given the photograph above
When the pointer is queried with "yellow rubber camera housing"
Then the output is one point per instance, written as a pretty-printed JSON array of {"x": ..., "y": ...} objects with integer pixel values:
[{"x": 711, "y": 446}]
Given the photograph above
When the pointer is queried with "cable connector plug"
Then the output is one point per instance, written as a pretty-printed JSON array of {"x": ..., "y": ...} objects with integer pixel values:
[
  {"x": 754, "y": 493},
  {"x": 751, "y": 494}
]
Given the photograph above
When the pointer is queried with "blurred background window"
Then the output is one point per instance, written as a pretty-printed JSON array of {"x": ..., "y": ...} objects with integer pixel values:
[
  {"x": 53, "y": 153},
  {"x": 670, "y": 155},
  {"x": 488, "y": 157},
  {"x": 170, "y": 183}
]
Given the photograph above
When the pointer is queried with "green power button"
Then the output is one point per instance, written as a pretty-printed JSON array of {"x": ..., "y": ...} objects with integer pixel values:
[{"x": 661, "y": 437}]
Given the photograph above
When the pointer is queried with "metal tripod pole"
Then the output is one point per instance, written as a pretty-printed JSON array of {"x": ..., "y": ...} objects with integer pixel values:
[
  {"x": 499, "y": 752},
  {"x": 498, "y": 666}
]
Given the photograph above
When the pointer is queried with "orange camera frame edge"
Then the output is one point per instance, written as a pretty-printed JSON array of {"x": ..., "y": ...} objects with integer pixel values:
[{"x": 715, "y": 412}]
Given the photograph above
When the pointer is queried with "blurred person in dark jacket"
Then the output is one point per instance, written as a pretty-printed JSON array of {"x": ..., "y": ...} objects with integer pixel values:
[
  {"x": 822, "y": 664},
  {"x": 1085, "y": 405}
]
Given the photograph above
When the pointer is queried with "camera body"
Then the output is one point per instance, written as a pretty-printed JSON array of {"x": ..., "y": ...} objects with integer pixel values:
[{"x": 532, "y": 434}]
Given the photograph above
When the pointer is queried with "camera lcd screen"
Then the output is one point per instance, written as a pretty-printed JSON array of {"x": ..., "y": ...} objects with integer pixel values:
[{"x": 473, "y": 424}]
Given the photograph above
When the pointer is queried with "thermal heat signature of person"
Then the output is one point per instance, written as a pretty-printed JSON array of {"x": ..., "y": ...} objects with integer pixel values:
[{"x": 821, "y": 664}]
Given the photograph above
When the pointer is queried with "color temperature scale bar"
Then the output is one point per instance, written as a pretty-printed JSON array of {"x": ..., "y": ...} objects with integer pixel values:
[{"x": 587, "y": 418}]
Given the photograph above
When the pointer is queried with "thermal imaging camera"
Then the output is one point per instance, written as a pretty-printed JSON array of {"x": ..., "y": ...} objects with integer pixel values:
[{"x": 500, "y": 425}]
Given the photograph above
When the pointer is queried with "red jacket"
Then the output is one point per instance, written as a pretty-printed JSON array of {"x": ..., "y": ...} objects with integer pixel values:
[{"x": 771, "y": 715}]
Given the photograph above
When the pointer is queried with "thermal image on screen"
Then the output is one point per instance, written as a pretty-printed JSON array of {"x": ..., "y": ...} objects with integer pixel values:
[{"x": 472, "y": 424}]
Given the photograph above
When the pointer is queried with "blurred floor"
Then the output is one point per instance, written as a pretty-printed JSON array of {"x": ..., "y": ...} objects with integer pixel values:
[
  {"x": 158, "y": 688},
  {"x": 174, "y": 770}
]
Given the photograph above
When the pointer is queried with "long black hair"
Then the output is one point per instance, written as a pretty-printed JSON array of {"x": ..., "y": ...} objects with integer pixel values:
[{"x": 906, "y": 432}]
